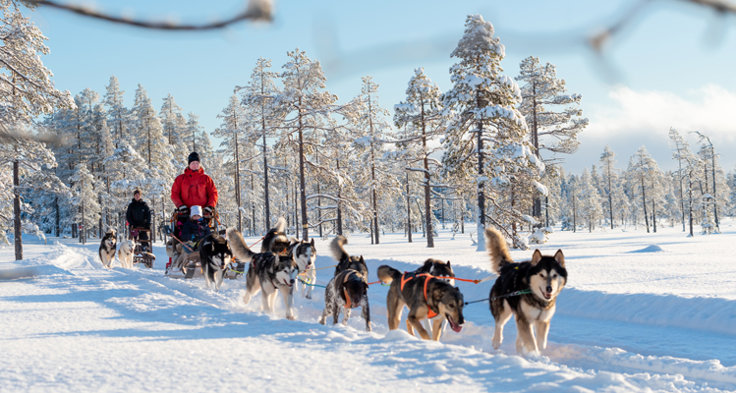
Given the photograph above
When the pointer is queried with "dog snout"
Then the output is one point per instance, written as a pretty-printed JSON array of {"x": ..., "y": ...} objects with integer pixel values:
[{"x": 549, "y": 289}]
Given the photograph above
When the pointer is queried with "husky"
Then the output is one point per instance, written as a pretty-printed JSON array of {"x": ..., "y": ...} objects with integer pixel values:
[
  {"x": 442, "y": 271},
  {"x": 539, "y": 281},
  {"x": 426, "y": 297},
  {"x": 275, "y": 240},
  {"x": 126, "y": 253},
  {"x": 268, "y": 272},
  {"x": 215, "y": 255},
  {"x": 108, "y": 247},
  {"x": 348, "y": 289},
  {"x": 344, "y": 260},
  {"x": 304, "y": 253}
]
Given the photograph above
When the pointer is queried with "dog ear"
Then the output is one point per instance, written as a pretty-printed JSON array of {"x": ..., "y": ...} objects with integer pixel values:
[
  {"x": 536, "y": 257},
  {"x": 312, "y": 242},
  {"x": 448, "y": 263},
  {"x": 560, "y": 258},
  {"x": 361, "y": 259}
]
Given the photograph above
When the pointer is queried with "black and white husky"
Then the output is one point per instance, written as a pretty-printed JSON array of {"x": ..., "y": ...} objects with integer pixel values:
[
  {"x": 215, "y": 256},
  {"x": 268, "y": 272},
  {"x": 344, "y": 260},
  {"x": 528, "y": 290},
  {"x": 108, "y": 246},
  {"x": 275, "y": 239},
  {"x": 304, "y": 253},
  {"x": 346, "y": 290}
]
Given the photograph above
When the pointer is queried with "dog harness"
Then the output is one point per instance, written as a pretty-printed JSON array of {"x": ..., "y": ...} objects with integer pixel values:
[{"x": 406, "y": 277}]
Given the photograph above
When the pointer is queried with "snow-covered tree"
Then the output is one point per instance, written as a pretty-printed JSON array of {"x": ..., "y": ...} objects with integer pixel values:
[
  {"x": 259, "y": 94},
  {"x": 26, "y": 91},
  {"x": 485, "y": 122},
  {"x": 84, "y": 200},
  {"x": 369, "y": 120},
  {"x": 554, "y": 116},
  {"x": 117, "y": 113},
  {"x": 305, "y": 104},
  {"x": 644, "y": 173},
  {"x": 421, "y": 115},
  {"x": 590, "y": 201},
  {"x": 610, "y": 178},
  {"x": 231, "y": 131}
]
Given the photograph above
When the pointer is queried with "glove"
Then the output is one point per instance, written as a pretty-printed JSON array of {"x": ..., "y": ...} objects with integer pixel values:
[{"x": 208, "y": 210}]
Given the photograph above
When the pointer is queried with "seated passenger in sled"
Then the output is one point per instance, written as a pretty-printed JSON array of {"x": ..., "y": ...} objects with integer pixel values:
[{"x": 195, "y": 229}]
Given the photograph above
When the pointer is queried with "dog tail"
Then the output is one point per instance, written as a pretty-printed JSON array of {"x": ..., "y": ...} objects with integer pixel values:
[
  {"x": 238, "y": 246},
  {"x": 387, "y": 274},
  {"x": 497, "y": 249},
  {"x": 280, "y": 225},
  {"x": 337, "y": 249}
]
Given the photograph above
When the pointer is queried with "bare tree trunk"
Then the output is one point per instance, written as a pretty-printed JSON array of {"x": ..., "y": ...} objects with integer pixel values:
[
  {"x": 339, "y": 201},
  {"x": 481, "y": 214},
  {"x": 302, "y": 181},
  {"x": 654, "y": 217},
  {"x": 373, "y": 172},
  {"x": 252, "y": 203},
  {"x": 236, "y": 175},
  {"x": 265, "y": 159},
  {"x": 408, "y": 207},
  {"x": 574, "y": 212},
  {"x": 610, "y": 198},
  {"x": 427, "y": 191},
  {"x": 57, "y": 217},
  {"x": 18, "y": 240},
  {"x": 644, "y": 203},
  {"x": 690, "y": 201}
]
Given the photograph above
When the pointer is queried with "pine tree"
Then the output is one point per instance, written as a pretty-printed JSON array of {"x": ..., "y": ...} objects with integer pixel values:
[
  {"x": 84, "y": 200},
  {"x": 644, "y": 173},
  {"x": 423, "y": 111},
  {"x": 485, "y": 123},
  {"x": 117, "y": 113},
  {"x": 259, "y": 94},
  {"x": 26, "y": 93},
  {"x": 230, "y": 131},
  {"x": 553, "y": 131},
  {"x": 304, "y": 104},
  {"x": 610, "y": 178}
]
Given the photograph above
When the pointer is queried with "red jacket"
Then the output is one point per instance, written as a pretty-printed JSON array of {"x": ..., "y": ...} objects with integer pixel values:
[{"x": 194, "y": 188}]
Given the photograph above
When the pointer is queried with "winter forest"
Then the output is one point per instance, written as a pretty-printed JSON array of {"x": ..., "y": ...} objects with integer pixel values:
[{"x": 489, "y": 151}]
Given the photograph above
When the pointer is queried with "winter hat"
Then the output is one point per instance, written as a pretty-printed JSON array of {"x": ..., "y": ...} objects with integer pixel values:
[
  {"x": 194, "y": 156},
  {"x": 137, "y": 191},
  {"x": 195, "y": 211}
]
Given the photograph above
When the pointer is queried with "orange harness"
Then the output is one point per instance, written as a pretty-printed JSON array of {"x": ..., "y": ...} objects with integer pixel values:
[{"x": 404, "y": 279}]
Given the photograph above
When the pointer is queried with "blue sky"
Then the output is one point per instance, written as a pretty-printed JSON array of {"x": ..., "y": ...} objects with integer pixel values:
[{"x": 672, "y": 66}]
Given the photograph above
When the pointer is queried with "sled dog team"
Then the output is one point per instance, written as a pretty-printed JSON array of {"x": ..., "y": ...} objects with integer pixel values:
[
  {"x": 526, "y": 290},
  {"x": 109, "y": 247}
]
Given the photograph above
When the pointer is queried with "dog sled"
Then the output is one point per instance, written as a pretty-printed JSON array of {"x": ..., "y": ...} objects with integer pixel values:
[
  {"x": 184, "y": 258},
  {"x": 142, "y": 251}
]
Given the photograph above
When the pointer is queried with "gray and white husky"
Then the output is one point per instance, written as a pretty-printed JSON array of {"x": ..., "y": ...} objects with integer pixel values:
[
  {"x": 268, "y": 273},
  {"x": 215, "y": 255},
  {"x": 304, "y": 253},
  {"x": 528, "y": 290},
  {"x": 108, "y": 246}
]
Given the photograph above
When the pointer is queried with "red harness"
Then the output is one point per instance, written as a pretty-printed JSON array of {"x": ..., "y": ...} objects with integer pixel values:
[{"x": 404, "y": 279}]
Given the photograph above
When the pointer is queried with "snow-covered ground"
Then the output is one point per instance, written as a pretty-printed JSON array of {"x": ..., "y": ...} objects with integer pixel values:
[{"x": 641, "y": 312}]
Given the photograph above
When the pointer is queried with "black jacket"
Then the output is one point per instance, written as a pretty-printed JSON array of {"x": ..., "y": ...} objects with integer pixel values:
[{"x": 138, "y": 214}]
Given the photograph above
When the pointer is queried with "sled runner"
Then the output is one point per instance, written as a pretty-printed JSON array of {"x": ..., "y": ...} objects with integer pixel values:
[{"x": 142, "y": 252}]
